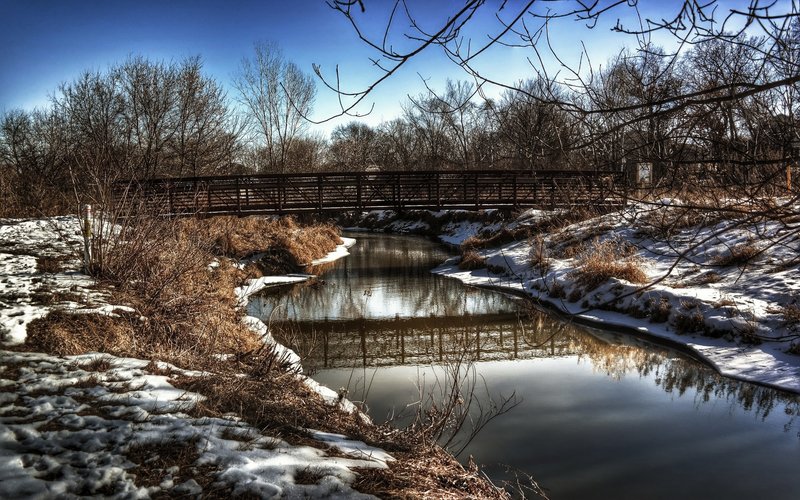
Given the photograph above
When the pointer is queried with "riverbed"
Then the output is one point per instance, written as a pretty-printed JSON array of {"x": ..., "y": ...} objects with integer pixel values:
[{"x": 600, "y": 414}]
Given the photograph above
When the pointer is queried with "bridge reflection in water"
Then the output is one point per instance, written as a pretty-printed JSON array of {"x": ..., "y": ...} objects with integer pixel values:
[
  {"x": 603, "y": 415},
  {"x": 361, "y": 343},
  {"x": 399, "y": 341}
]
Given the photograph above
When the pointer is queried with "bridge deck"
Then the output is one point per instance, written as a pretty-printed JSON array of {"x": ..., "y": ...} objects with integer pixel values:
[{"x": 330, "y": 192}]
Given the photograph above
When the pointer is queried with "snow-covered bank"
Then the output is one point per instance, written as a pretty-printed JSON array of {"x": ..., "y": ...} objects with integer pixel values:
[
  {"x": 256, "y": 285},
  {"x": 97, "y": 424},
  {"x": 39, "y": 262},
  {"x": 698, "y": 290},
  {"x": 451, "y": 227}
]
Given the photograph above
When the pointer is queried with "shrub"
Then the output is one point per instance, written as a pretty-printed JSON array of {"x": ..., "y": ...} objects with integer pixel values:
[
  {"x": 738, "y": 255},
  {"x": 689, "y": 322},
  {"x": 608, "y": 259},
  {"x": 189, "y": 310},
  {"x": 556, "y": 290},
  {"x": 538, "y": 257},
  {"x": 659, "y": 313},
  {"x": 471, "y": 260},
  {"x": 791, "y": 314}
]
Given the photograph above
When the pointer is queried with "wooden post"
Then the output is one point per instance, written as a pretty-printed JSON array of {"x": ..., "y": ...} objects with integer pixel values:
[
  {"x": 438, "y": 192},
  {"x": 238, "y": 199},
  {"x": 319, "y": 193},
  {"x": 359, "y": 203},
  {"x": 396, "y": 193},
  {"x": 87, "y": 238},
  {"x": 514, "y": 191},
  {"x": 171, "y": 197},
  {"x": 477, "y": 193},
  {"x": 362, "y": 330}
]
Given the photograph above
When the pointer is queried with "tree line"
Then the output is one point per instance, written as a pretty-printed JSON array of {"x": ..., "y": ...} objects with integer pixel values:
[{"x": 143, "y": 119}]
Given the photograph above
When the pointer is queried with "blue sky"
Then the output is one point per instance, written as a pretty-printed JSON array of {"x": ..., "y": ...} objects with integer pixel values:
[{"x": 49, "y": 42}]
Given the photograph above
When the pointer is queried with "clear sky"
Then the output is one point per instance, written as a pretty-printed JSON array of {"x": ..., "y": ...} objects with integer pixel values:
[{"x": 45, "y": 43}]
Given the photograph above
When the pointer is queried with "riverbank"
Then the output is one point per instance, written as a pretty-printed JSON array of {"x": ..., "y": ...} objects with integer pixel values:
[
  {"x": 178, "y": 397},
  {"x": 723, "y": 288}
]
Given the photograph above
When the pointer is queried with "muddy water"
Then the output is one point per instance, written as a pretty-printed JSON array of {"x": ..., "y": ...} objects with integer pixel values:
[{"x": 600, "y": 415}]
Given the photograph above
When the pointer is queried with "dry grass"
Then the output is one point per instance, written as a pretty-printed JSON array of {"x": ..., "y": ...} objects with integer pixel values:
[
  {"x": 427, "y": 473},
  {"x": 665, "y": 222},
  {"x": 97, "y": 364},
  {"x": 50, "y": 265},
  {"x": 495, "y": 239},
  {"x": 608, "y": 259},
  {"x": 288, "y": 245},
  {"x": 659, "y": 311},
  {"x": 63, "y": 334},
  {"x": 706, "y": 279},
  {"x": 738, "y": 255},
  {"x": 689, "y": 319},
  {"x": 538, "y": 257},
  {"x": 188, "y": 311},
  {"x": 791, "y": 314},
  {"x": 153, "y": 460},
  {"x": 471, "y": 260},
  {"x": 280, "y": 403}
]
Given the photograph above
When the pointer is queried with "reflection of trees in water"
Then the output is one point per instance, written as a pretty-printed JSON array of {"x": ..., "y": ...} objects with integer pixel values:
[
  {"x": 684, "y": 377},
  {"x": 366, "y": 343},
  {"x": 399, "y": 268}
]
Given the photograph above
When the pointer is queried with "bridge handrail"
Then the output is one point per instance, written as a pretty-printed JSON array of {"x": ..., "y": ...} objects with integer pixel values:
[{"x": 387, "y": 173}]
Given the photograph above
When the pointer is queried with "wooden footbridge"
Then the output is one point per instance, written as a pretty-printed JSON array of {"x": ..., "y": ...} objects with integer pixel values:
[{"x": 276, "y": 194}]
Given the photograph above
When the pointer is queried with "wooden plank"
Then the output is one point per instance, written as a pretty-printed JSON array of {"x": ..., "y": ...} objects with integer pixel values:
[{"x": 297, "y": 193}]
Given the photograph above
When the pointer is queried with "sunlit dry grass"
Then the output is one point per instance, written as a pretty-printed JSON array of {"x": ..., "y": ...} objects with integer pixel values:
[
  {"x": 607, "y": 259},
  {"x": 186, "y": 310}
]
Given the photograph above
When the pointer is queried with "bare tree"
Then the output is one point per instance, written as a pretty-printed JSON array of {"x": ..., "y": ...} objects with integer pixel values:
[
  {"x": 528, "y": 25},
  {"x": 353, "y": 146},
  {"x": 139, "y": 119},
  {"x": 277, "y": 96}
]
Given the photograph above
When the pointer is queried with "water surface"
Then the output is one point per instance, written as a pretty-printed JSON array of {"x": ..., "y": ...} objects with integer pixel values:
[{"x": 602, "y": 415}]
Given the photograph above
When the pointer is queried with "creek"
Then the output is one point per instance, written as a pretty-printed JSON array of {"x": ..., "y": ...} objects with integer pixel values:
[{"x": 600, "y": 414}]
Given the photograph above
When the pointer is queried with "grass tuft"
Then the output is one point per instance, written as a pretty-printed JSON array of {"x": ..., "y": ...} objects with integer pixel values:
[
  {"x": 471, "y": 260},
  {"x": 609, "y": 259},
  {"x": 738, "y": 255}
]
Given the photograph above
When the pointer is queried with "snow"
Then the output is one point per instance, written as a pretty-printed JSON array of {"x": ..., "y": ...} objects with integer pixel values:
[
  {"x": 338, "y": 253},
  {"x": 732, "y": 303},
  {"x": 22, "y": 243},
  {"x": 69, "y": 424},
  {"x": 256, "y": 285},
  {"x": 68, "y": 431}
]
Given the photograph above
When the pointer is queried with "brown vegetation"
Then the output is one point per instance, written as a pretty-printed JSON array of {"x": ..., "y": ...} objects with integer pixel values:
[
  {"x": 608, "y": 259},
  {"x": 738, "y": 255},
  {"x": 791, "y": 314},
  {"x": 186, "y": 310},
  {"x": 471, "y": 260}
]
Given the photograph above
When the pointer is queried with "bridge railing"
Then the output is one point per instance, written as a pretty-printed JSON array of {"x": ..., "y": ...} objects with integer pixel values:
[{"x": 327, "y": 192}]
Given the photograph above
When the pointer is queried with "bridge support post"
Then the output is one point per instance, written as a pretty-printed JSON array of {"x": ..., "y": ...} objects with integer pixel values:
[
  {"x": 515, "y": 202},
  {"x": 238, "y": 199},
  {"x": 171, "y": 196},
  {"x": 359, "y": 180},
  {"x": 477, "y": 191},
  {"x": 438, "y": 191},
  {"x": 396, "y": 193},
  {"x": 319, "y": 194}
]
